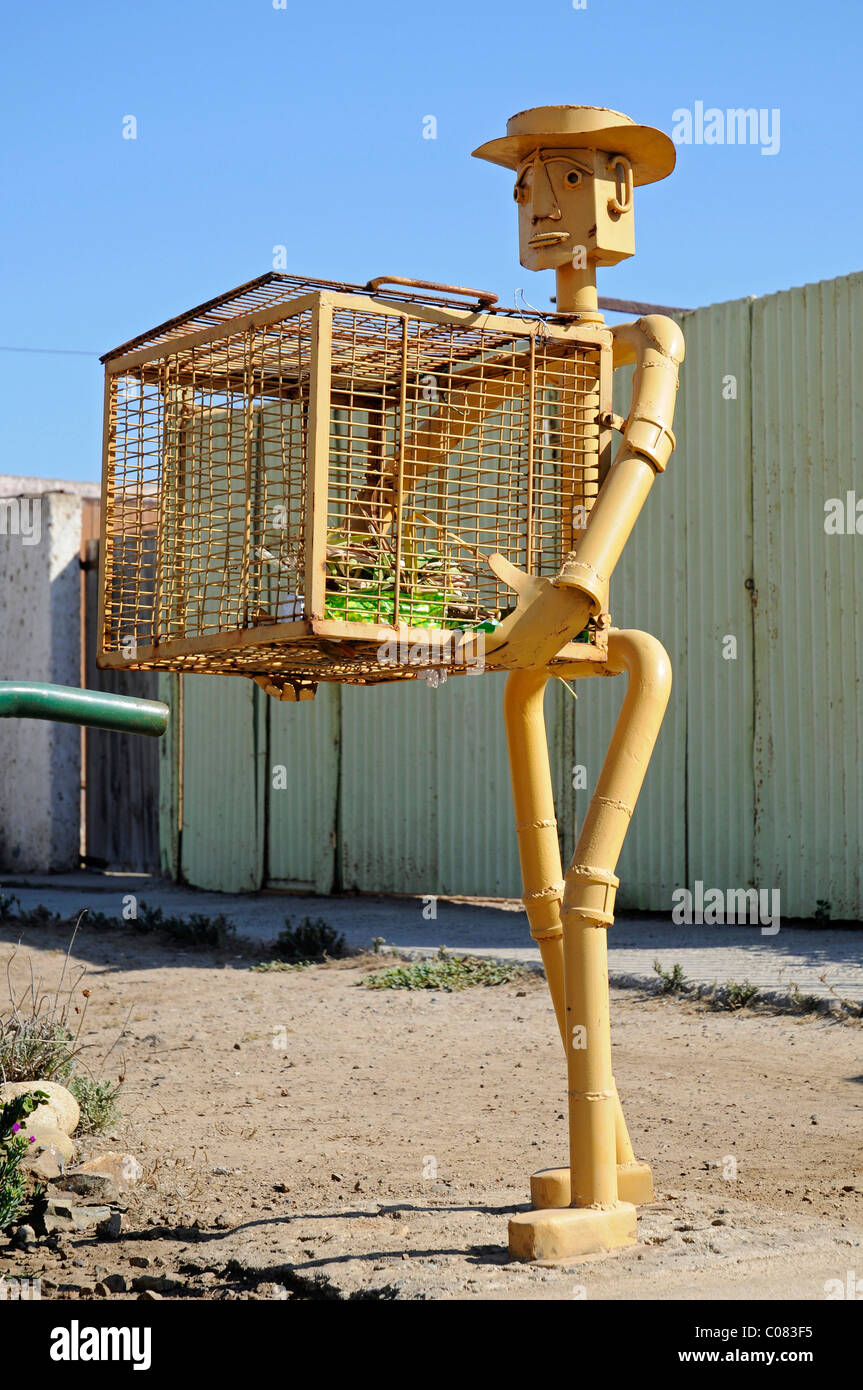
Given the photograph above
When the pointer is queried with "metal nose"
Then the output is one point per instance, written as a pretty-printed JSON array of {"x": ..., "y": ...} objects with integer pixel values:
[{"x": 545, "y": 205}]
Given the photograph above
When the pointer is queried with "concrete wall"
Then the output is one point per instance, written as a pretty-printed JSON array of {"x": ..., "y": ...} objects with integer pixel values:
[{"x": 40, "y": 640}]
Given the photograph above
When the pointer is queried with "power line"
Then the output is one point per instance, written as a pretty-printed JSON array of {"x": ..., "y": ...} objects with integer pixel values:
[{"x": 57, "y": 352}]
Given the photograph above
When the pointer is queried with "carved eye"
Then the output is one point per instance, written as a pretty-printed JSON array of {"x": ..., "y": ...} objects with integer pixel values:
[
  {"x": 573, "y": 178},
  {"x": 519, "y": 193}
]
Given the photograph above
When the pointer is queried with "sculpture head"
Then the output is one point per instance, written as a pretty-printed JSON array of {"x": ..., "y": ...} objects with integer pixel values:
[{"x": 576, "y": 168}]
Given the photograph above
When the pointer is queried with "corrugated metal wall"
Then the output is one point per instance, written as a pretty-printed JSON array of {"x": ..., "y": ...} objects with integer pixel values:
[
  {"x": 224, "y": 762},
  {"x": 807, "y": 447},
  {"x": 756, "y": 777},
  {"x": 303, "y": 777},
  {"x": 683, "y": 577},
  {"x": 426, "y": 805},
  {"x": 716, "y": 675}
]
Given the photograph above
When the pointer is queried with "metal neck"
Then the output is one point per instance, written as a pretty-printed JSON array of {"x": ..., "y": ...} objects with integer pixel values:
[{"x": 576, "y": 292}]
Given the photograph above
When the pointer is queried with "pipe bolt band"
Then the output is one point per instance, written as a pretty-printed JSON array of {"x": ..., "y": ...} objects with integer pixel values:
[
  {"x": 615, "y": 805},
  {"x": 547, "y": 933},
  {"x": 591, "y": 874},
  {"x": 556, "y": 890},
  {"x": 589, "y": 916},
  {"x": 577, "y": 574},
  {"x": 652, "y": 439}
]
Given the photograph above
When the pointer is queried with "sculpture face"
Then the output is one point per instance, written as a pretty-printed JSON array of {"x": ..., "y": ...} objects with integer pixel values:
[{"x": 574, "y": 203}]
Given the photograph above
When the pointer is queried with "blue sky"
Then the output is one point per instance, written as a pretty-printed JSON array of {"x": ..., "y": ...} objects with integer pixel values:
[{"x": 302, "y": 126}]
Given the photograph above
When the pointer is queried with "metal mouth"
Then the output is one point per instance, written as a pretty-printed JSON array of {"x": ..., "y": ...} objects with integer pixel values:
[{"x": 548, "y": 239}]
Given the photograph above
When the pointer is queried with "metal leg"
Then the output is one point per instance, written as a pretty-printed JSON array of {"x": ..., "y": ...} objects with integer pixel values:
[
  {"x": 597, "y": 1218},
  {"x": 542, "y": 879}
]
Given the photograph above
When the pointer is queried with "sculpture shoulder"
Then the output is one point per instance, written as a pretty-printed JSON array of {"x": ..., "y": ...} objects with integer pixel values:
[{"x": 653, "y": 331}]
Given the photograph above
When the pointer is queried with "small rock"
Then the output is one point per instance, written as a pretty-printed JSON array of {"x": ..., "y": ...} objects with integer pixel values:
[
  {"x": 270, "y": 1290},
  {"x": 57, "y": 1225},
  {"x": 814, "y": 1119},
  {"x": 64, "y": 1214},
  {"x": 51, "y": 1151},
  {"x": 115, "y": 1283},
  {"x": 101, "y": 1290},
  {"x": 140, "y": 1261},
  {"x": 65, "y": 1204},
  {"x": 149, "y": 1294},
  {"x": 156, "y": 1283},
  {"x": 336, "y": 1177},
  {"x": 88, "y": 1184},
  {"x": 110, "y": 1173},
  {"x": 25, "y": 1235},
  {"x": 281, "y": 1187},
  {"x": 110, "y": 1228},
  {"x": 44, "y": 1164}
]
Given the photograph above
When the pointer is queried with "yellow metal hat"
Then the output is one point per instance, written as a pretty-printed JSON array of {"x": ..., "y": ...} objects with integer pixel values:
[{"x": 650, "y": 151}]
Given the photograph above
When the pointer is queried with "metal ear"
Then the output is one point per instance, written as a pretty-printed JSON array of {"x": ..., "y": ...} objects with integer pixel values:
[{"x": 621, "y": 167}]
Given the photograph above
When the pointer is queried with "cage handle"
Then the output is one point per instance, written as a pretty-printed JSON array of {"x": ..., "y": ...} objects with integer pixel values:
[{"x": 484, "y": 298}]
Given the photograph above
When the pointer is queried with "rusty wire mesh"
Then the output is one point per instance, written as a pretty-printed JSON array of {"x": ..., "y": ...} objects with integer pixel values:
[{"x": 450, "y": 437}]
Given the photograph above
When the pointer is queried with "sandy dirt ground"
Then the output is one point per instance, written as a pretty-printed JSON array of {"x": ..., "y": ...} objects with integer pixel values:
[{"x": 302, "y": 1137}]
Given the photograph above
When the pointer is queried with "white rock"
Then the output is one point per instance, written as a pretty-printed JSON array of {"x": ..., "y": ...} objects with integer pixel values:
[{"x": 61, "y": 1111}]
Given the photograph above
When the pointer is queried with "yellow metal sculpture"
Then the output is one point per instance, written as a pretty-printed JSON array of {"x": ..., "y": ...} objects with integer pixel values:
[
  {"x": 576, "y": 168},
  {"x": 306, "y": 481}
]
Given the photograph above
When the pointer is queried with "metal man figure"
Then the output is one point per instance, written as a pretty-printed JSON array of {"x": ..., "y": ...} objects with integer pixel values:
[{"x": 576, "y": 170}]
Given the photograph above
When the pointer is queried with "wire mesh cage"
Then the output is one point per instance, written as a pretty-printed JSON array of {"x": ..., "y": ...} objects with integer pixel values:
[{"x": 299, "y": 472}]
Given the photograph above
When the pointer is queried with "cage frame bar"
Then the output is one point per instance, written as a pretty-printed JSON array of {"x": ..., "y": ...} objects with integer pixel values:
[
  {"x": 107, "y": 507},
  {"x": 317, "y": 462},
  {"x": 485, "y": 319}
]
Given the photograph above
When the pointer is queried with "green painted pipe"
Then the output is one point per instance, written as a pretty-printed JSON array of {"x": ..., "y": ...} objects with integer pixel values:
[{"x": 95, "y": 708}]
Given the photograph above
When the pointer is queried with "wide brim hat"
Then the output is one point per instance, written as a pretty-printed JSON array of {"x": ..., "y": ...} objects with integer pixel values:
[{"x": 651, "y": 152}]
